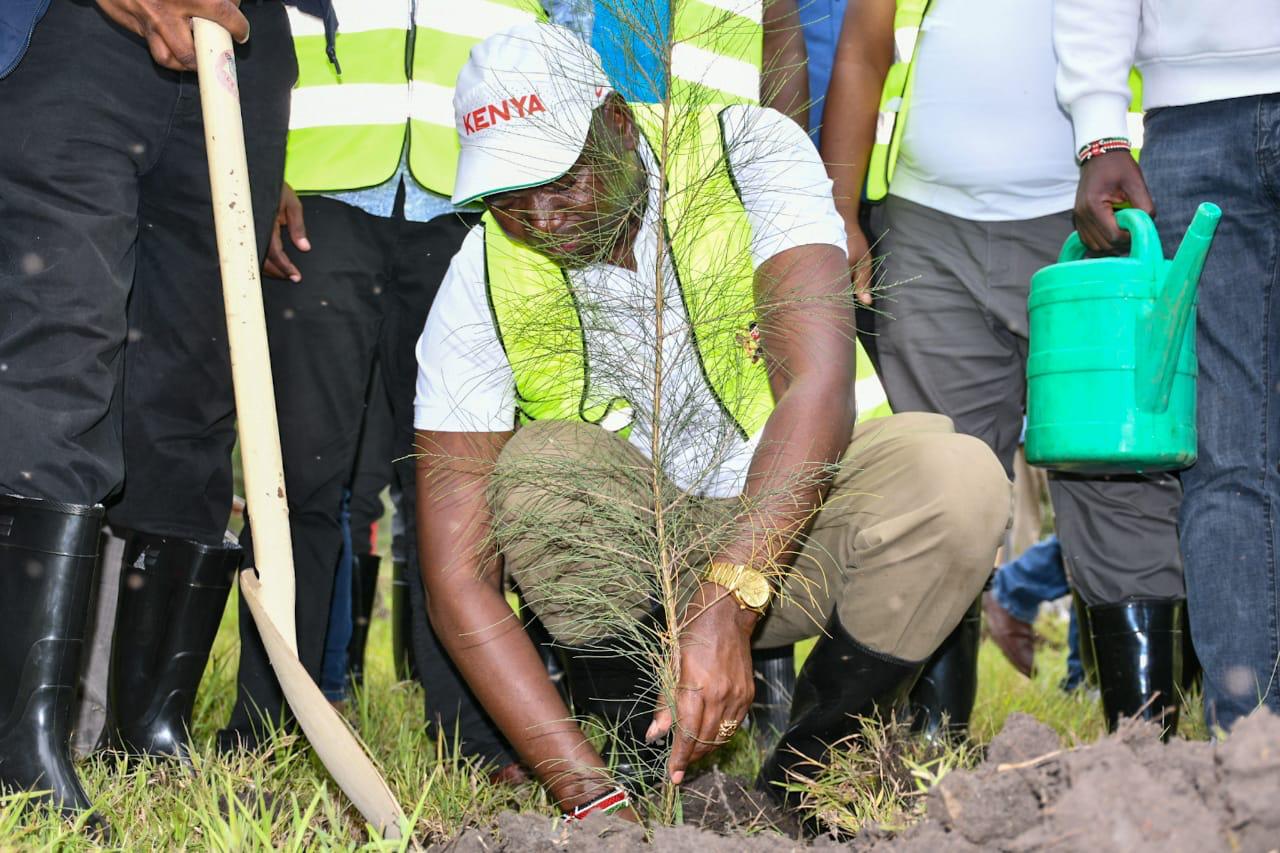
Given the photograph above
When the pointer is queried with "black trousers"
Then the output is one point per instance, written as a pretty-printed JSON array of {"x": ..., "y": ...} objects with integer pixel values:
[
  {"x": 367, "y": 285},
  {"x": 114, "y": 372}
]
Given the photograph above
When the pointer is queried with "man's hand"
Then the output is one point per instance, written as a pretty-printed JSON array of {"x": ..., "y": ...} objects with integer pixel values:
[
  {"x": 288, "y": 215},
  {"x": 166, "y": 25},
  {"x": 716, "y": 680},
  {"x": 1108, "y": 180},
  {"x": 859, "y": 262}
]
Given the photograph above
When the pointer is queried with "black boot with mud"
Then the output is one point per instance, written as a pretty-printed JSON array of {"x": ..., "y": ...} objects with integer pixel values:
[
  {"x": 1138, "y": 646},
  {"x": 775, "y": 676},
  {"x": 172, "y": 595},
  {"x": 364, "y": 589},
  {"x": 401, "y": 624},
  {"x": 48, "y": 573},
  {"x": 941, "y": 703},
  {"x": 841, "y": 682}
]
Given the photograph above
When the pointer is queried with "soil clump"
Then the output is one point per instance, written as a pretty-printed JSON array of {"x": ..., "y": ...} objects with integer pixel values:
[{"x": 1127, "y": 792}]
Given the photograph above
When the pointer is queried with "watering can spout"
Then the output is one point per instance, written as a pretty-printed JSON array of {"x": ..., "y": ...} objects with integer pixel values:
[
  {"x": 1172, "y": 310},
  {"x": 1184, "y": 272}
]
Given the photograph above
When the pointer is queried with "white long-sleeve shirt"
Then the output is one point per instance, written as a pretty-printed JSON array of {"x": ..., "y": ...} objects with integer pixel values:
[{"x": 1189, "y": 52}]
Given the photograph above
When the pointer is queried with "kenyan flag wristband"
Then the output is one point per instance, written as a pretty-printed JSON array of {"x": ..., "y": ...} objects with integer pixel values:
[
  {"x": 608, "y": 804},
  {"x": 1102, "y": 146}
]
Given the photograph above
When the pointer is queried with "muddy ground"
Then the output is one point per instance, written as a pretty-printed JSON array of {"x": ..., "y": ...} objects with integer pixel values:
[{"x": 1128, "y": 792}]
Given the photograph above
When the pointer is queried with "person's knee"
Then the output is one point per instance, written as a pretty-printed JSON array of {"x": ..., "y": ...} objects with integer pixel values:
[{"x": 974, "y": 498}]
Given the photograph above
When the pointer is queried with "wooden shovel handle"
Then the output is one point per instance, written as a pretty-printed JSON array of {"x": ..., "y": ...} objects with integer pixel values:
[
  {"x": 270, "y": 595},
  {"x": 246, "y": 325}
]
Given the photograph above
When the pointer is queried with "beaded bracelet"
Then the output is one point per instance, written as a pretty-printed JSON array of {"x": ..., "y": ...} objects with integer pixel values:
[
  {"x": 608, "y": 804},
  {"x": 1102, "y": 146}
]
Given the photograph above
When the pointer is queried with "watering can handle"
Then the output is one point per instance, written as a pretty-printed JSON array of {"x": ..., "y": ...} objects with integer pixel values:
[{"x": 1144, "y": 244}]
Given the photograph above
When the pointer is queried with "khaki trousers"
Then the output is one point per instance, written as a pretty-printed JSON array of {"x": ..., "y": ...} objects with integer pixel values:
[{"x": 900, "y": 548}]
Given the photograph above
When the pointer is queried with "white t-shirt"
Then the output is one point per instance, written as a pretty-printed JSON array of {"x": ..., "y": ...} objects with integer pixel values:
[
  {"x": 985, "y": 138},
  {"x": 465, "y": 383}
]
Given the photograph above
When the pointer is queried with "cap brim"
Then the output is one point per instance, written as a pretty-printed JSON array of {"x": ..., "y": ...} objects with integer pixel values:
[{"x": 525, "y": 156}]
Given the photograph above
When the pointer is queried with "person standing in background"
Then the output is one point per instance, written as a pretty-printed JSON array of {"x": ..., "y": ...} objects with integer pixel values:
[
  {"x": 1212, "y": 133},
  {"x": 945, "y": 111},
  {"x": 114, "y": 368}
]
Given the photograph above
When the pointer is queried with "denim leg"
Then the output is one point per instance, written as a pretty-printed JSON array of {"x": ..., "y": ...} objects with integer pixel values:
[
  {"x": 333, "y": 671},
  {"x": 1228, "y": 152},
  {"x": 1034, "y": 576}
]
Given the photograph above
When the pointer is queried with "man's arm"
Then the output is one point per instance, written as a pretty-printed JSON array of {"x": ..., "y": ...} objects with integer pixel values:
[
  {"x": 862, "y": 61},
  {"x": 485, "y": 640},
  {"x": 808, "y": 331},
  {"x": 784, "y": 82},
  {"x": 1095, "y": 41}
]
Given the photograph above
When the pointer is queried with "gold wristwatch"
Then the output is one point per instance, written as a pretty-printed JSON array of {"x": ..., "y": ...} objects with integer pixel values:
[{"x": 748, "y": 586}]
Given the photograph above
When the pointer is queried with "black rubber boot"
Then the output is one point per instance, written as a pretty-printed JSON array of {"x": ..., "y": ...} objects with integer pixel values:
[
  {"x": 364, "y": 589},
  {"x": 172, "y": 594},
  {"x": 1088, "y": 661},
  {"x": 1138, "y": 648},
  {"x": 949, "y": 683},
  {"x": 1192, "y": 671},
  {"x": 553, "y": 656},
  {"x": 841, "y": 681},
  {"x": 775, "y": 671},
  {"x": 606, "y": 682},
  {"x": 401, "y": 625},
  {"x": 48, "y": 568}
]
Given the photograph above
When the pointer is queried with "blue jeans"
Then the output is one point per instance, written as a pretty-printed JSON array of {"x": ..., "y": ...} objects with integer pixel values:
[
  {"x": 1228, "y": 152},
  {"x": 1032, "y": 578},
  {"x": 333, "y": 671}
]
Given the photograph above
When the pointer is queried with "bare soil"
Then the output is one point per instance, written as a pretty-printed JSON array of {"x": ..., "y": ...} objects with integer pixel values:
[{"x": 1127, "y": 792}]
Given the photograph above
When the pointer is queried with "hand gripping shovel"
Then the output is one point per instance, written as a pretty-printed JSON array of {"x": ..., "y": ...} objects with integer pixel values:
[{"x": 270, "y": 594}]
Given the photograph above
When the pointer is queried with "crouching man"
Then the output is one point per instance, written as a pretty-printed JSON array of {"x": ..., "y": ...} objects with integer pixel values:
[{"x": 636, "y": 394}]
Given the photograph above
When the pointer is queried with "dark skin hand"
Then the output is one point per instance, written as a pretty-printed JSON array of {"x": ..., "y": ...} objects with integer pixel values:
[
  {"x": 1106, "y": 182},
  {"x": 808, "y": 334},
  {"x": 862, "y": 61},
  {"x": 288, "y": 218},
  {"x": 166, "y": 25}
]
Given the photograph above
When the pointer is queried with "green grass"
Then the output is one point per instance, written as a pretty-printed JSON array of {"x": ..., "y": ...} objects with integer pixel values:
[{"x": 285, "y": 800}]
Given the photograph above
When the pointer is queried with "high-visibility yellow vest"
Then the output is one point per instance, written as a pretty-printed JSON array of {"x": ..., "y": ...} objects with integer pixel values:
[
  {"x": 895, "y": 99},
  {"x": 538, "y": 317},
  {"x": 716, "y": 52},
  {"x": 348, "y": 131},
  {"x": 868, "y": 393}
]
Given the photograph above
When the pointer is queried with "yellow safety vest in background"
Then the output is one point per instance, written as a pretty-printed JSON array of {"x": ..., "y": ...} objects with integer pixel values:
[
  {"x": 895, "y": 99},
  {"x": 717, "y": 51},
  {"x": 348, "y": 131}
]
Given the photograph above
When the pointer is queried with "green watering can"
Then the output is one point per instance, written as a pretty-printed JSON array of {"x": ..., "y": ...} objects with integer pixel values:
[{"x": 1111, "y": 371}]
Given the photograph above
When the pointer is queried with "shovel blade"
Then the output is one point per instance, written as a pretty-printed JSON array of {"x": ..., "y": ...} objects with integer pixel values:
[{"x": 329, "y": 734}]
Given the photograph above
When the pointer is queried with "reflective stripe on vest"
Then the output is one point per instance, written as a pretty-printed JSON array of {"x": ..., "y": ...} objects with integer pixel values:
[
  {"x": 538, "y": 317},
  {"x": 349, "y": 132},
  {"x": 894, "y": 96},
  {"x": 895, "y": 99},
  {"x": 868, "y": 393},
  {"x": 716, "y": 52},
  {"x": 446, "y": 30}
]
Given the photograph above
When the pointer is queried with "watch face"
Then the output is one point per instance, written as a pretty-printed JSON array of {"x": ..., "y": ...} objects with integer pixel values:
[{"x": 753, "y": 587}]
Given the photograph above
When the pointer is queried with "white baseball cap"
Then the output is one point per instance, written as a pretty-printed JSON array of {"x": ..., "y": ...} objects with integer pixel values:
[{"x": 523, "y": 105}]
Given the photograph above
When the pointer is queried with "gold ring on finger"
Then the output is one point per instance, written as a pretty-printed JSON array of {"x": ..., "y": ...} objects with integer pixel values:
[{"x": 726, "y": 730}]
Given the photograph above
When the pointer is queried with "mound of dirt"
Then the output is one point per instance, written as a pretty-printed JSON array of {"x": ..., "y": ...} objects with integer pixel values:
[{"x": 1127, "y": 792}]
